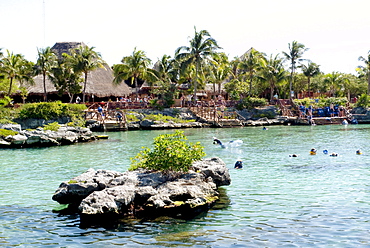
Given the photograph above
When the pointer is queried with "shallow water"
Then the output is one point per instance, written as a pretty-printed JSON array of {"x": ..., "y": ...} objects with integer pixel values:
[{"x": 274, "y": 201}]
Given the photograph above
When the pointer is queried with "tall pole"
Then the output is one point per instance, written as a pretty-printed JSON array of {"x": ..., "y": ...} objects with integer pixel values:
[{"x": 44, "y": 21}]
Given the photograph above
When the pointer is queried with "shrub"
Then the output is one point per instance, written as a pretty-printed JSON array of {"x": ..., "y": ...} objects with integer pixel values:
[
  {"x": 166, "y": 118},
  {"x": 5, "y": 101},
  {"x": 51, "y": 110},
  {"x": 131, "y": 118},
  {"x": 363, "y": 101},
  {"x": 54, "y": 126},
  {"x": 322, "y": 102},
  {"x": 5, "y": 132},
  {"x": 170, "y": 153},
  {"x": 251, "y": 102},
  {"x": 6, "y": 113}
]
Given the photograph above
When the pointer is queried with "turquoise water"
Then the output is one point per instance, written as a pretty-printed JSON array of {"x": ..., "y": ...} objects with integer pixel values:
[{"x": 274, "y": 201}]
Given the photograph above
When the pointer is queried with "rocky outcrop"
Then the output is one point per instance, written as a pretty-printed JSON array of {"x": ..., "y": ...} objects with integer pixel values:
[
  {"x": 39, "y": 137},
  {"x": 144, "y": 194},
  {"x": 32, "y": 123},
  {"x": 361, "y": 115}
]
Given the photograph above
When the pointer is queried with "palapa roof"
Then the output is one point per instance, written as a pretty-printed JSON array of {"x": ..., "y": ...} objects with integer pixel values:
[{"x": 99, "y": 81}]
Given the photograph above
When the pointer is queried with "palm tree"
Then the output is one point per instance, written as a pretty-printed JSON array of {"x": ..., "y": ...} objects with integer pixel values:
[
  {"x": 164, "y": 76},
  {"x": 219, "y": 70},
  {"x": 250, "y": 63},
  {"x": 45, "y": 61},
  {"x": 27, "y": 72},
  {"x": 164, "y": 70},
  {"x": 84, "y": 59},
  {"x": 367, "y": 69},
  {"x": 65, "y": 80},
  {"x": 310, "y": 70},
  {"x": 12, "y": 67},
  {"x": 134, "y": 67},
  {"x": 333, "y": 82},
  {"x": 202, "y": 47},
  {"x": 296, "y": 51},
  {"x": 274, "y": 73}
]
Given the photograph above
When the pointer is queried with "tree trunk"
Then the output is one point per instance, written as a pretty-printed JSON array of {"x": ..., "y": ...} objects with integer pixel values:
[
  {"x": 137, "y": 91},
  {"x": 10, "y": 86},
  {"x": 291, "y": 82},
  {"x": 271, "y": 91},
  {"x": 84, "y": 91},
  {"x": 44, "y": 81},
  {"x": 195, "y": 83},
  {"x": 70, "y": 97},
  {"x": 250, "y": 82}
]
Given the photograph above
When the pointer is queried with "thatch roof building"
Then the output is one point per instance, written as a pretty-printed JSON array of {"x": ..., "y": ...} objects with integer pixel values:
[{"x": 99, "y": 82}]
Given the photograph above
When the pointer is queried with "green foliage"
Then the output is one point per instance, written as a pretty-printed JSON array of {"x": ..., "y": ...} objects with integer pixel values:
[
  {"x": 322, "y": 102},
  {"x": 164, "y": 118},
  {"x": 54, "y": 126},
  {"x": 6, "y": 113},
  {"x": 51, "y": 110},
  {"x": 251, "y": 102},
  {"x": 268, "y": 115},
  {"x": 131, "y": 118},
  {"x": 171, "y": 153},
  {"x": 6, "y": 121},
  {"x": 5, "y": 101},
  {"x": 363, "y": 101},
  {"x": 5, "y": 132},
  {"x": 154, "y": 103}
]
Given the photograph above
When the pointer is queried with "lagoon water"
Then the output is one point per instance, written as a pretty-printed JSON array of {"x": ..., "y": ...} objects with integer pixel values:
[{"x": 274, "y": 201}]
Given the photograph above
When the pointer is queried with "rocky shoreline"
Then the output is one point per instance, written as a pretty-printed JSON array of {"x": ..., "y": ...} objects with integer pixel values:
[
  {"x": 102, "y": 195},
  {"x": 44, "y": 138}
]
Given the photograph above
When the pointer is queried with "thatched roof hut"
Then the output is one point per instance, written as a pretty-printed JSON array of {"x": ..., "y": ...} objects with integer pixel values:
[{"x": 99, "y": 82}]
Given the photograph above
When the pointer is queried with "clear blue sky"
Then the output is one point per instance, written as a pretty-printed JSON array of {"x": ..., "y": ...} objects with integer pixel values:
[{"x": 336, "y": 32}]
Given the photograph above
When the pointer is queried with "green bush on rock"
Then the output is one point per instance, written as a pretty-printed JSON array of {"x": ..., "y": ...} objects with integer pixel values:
[
  {"x": 50, "y": 110},
  {"x": 171, "y": 153},
  {"x": 4, "y": 133},
  {"x": 52, "y": 126}
]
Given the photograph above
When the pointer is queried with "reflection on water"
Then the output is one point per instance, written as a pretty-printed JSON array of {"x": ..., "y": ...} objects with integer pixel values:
[{"x": 274, "y": 201}]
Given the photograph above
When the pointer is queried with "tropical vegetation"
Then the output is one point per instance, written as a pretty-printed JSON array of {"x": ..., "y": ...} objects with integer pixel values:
[
  {"x": 193, "y": 66},
  {"x": 171, "y": 152}
]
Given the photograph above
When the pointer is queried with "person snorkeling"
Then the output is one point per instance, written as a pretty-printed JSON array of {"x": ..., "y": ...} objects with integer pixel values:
[{"x": 238, "y": 164}]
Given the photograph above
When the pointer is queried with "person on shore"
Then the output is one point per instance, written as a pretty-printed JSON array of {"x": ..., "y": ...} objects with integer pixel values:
[
  {"x": 100, "y": 112},
  {"x": 238, "y": 164},
  {"x": 309, "y": 111},
  {"x": 119, "y": 117},
  {"x": 331, "y": 110},
  {"x": 302, "y": 110}
]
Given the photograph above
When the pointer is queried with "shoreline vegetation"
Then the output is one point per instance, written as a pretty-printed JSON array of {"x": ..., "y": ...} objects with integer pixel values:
[
  {"x": 197, "y": 71},
  {"x": 217, "y": 91},
  {"x": 57, "y": 123}
]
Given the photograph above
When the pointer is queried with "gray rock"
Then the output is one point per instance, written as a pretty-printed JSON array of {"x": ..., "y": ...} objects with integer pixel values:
[
  {"x": 13, "y": 127},
  {"x": 17, "y": 139},
  {"x": 40, "y": 137},
  {"x": 4, "y": 143},
  {"x": 145, "y": 193}
]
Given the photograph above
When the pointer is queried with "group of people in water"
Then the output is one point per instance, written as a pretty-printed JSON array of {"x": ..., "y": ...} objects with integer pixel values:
[{"x": 313, "y": 151}]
